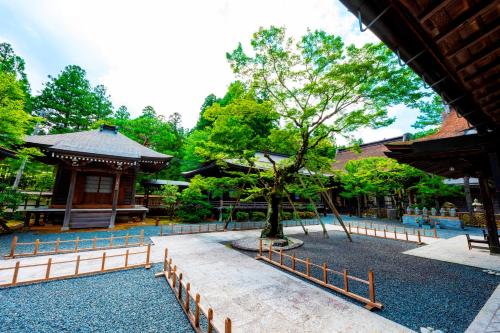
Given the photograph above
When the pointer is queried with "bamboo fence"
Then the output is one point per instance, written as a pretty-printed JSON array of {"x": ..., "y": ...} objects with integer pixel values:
[
  {"x": 182, "y": 289},
  {"x": 78, "y": 245},
  {"x": 77, "y": 270},
  {"x": 327, "y": 273}
]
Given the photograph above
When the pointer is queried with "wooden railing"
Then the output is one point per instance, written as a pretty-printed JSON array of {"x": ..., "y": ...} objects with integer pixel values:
[
  {"x": 174, "y": 229},
  {"x": 175, "y": 281},
  {"x": 393, "y": 234},
  {"x": 327, "y": 280},
  {"x": 77, "y": 270},
  {"x": 77, "y": 245}
]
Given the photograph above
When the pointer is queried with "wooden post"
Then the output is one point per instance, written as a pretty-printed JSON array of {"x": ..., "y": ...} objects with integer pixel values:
[
  {"x": 418, "y": 237},
  {"x": 77, "y": 267},
  {"x": 281, "y": 257},
  {"x": 77, "y": 240},
  {"x": 37, "y": 244},
  {"x": 179, "y": 292},
  {"x": 186, "y": 305},
  {"x": 357, "y": 229},
  {"x": 126, "y": 240},
  {"x": 406, "y": 233},
  {"x": 293, "y": 261},
  {"x": 16, "y": 272},
  {"x": 395, "y": 235},
  {"x": 385, "y": 234},
  {"x": 69, "y": 200},
  {"x": 435, "y": 232},
  {"x": 169, "y": 268},
  {"x": 148, "y": 256},
  {"x": 375, "y": 232},
  {"x": 197, "y": 311},
  {"x": 115, "y": 200},
  {"x": 56, "y": 250},
  {"x": 126, "y": 258},
  {"x": 111, "y": 242},
  {"x": 47, "y": 272},
  {"x": 227, "y": 326},
  {"x": 325, "y": 273},
  {"x": 308, "y": 267},
  {"x": 103, "y": 263},
  {"x": 165, "y": 258},
  {"x": 350, "y": 227},
  {"x": 260, "y": 247},
  {"x": 371, "y": 286},
  {"x": 346, "y": 281},
  {"x": 271, "y": 251},
  {"x": 174, "y": 278},
  {"x": 210, "y": 317},
  {"x": 13, "y": 247}
]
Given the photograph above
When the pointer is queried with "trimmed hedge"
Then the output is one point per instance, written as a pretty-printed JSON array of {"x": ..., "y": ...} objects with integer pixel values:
[{"x": 258, "y": 216}]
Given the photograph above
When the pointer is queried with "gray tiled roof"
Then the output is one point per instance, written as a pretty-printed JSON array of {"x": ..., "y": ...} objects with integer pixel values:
[{"x": 100, "y": 142}]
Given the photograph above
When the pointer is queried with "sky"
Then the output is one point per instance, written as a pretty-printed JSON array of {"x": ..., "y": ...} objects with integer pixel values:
[{"x": 167, "y": 54}]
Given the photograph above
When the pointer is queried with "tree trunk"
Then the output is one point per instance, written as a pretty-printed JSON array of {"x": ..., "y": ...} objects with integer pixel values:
[
  {"x": 359, "y": 206},
  {"x": 274, "y": 227}
]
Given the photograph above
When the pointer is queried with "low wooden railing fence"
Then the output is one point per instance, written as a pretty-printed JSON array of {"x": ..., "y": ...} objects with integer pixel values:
[
  {"x": 79, "y": 245},
  {"x": 327, "y": 280},
  {"x": 173, "y": 229},
  {"x": 393, "y": 234},
  {"x": 175, "y": 281},
  {"x": 77, "y": 272}
]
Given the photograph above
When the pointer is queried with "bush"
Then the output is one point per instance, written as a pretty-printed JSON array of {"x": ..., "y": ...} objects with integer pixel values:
[
  {"x": 258, "y": 216},
  {"x": 242, "y": 216},
  {"x": 287, "y": 216},
  {"x": 193, "y": 206}
]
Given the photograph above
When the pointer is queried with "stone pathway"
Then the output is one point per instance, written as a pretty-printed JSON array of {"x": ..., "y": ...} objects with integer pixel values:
[
  {"x": 258, "y": 297},
  {"x": 488, "y": 319},
  {"x": 455, "y": 250}
]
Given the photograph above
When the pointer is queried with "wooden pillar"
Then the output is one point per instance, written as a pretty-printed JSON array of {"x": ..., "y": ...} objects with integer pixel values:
[
  {"x": 468, "y": 199},
  {"x": 116, "y": 192},
  {"x": 490, "y": 215},
  {"x": 69, "y": 200}
]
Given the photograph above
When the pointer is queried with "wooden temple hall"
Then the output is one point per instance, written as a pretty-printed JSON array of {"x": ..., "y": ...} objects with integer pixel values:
[
  {"x": 454, "y": 46},
  {"x": 96, "y": 176}
]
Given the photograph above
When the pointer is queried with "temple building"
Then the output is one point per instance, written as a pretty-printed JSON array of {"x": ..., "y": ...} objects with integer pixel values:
[{"x": 96, "y": 176}]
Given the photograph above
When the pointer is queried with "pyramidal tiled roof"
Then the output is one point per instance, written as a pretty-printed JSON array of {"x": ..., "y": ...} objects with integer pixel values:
[{"x": 106, "y": 141}]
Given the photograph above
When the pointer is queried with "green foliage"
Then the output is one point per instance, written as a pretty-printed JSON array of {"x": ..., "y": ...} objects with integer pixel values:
[
  {"x": 69, "y": 103},
  {"x": 258, "y": 216},
  {"x": 287, "y": 215},
  {"x": 11, "y": 63},
  {"x": 15, "y": 122},
  {"x": 9, "y": 199},
  {"x": 242, "y": 216},
  {"x": 170, "y": 195},
  {"x": 430, "y": 114},
  {"x": 194, "y": 206},
  {"x": 431, "y": 187}
]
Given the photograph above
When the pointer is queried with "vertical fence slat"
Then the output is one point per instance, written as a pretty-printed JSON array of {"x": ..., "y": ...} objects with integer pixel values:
[
  {"x": 37, "y": 244},
  {"x": 47, "y": 272},
  {"x": 210, "y": 317},
  {"x": 77, "y": 240},
  {"x": 325, "y": 273},
  {"x": 371, "y": 286},
  {"x": 227, "y": 325},
  {"x": 103, "y": 262},
  {"x": 126, "y": 258},
  {"x": 16, "y": 272},
  {"x": 346, "y": 281},
  {"x": 197, "y": 311},
  {"x": 56, "y": 250},
  {"x": 186, "y": 305},
  {"x": 77, "y": 265}
]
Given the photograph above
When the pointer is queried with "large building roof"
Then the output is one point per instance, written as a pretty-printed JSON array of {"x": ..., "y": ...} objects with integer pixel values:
[
  {"x": 103, "y": 142},
  {"x": 452, "y": 44},
  {"x": 371, "y": 149}
]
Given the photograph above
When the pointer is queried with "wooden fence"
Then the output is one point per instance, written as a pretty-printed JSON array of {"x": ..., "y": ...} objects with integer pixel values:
[
  {"x": 174, "y": 229},
  {"x": 138, "y": 240},
  {"x": 175, "y": 281},
  {"x": 327, "y": 280},
  {"x": 393, "y": 234},
  {"x": 77, "y": 272}
]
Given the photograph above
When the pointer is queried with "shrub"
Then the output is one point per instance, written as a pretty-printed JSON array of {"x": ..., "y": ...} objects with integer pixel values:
[
  {"x": 193, "y": 206},
  {"x": 242, "y": 216},
  {"x": 287, "y": 216},
  {"x": 258, "y": 216}
]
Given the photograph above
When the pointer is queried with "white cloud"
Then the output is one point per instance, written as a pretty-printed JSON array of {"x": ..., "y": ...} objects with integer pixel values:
[{"x": 169, "y": 54}]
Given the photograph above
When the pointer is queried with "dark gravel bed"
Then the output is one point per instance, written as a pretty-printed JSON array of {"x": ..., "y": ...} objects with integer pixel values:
[
  {"x": 126, "y": 301},
  {"x": 416, "y": 292}
]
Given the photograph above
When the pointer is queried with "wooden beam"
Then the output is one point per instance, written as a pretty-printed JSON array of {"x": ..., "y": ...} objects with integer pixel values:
[
  {"x": 490, "y": 215},
  {"x": 433, "y": 10},
  {"x": 475, "y": 38},
  {"x": 484, "y": 70},
  {"x": 69, "y": 200},
  {"x": 488, "y": 51},
  {"x": 467, "y": 17},
  {"x": 116, "y": 192}
]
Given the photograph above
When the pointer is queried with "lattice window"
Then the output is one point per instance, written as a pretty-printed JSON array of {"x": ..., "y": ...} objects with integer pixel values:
[{"x": 98, "y": 184}]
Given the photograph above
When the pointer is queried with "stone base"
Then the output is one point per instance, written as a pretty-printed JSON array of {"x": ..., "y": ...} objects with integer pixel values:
[{"x": 253, "y": 244}]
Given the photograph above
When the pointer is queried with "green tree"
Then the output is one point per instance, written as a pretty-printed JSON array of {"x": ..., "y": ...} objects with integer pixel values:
[
  {"x": 170, "y": 195},
  {"x": 11, "y": 63},
  {"x": 122, "y": 113},
  {"x": 15, "y": 122},
  {"x": 320, "y": 88},
  {"x": 69, "y": 103}
]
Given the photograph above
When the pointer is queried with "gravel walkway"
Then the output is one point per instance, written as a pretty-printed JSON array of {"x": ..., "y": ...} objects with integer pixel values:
[
  {"x": 416, "y": 292},
  {"x": 127, "y": 301}
]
